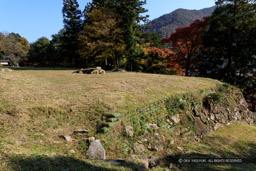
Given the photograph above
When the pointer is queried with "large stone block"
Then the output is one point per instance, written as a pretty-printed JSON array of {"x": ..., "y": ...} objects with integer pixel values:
[{"x": 96, "y": 151}]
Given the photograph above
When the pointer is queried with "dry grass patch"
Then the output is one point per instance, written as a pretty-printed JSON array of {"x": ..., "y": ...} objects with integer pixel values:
[
  {"x": 36, "y": 106},
  {"x": 28, "y": 89},
  {"x": 237, "y": 140}
]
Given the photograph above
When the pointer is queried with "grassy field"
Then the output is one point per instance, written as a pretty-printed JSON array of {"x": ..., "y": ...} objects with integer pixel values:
[
  {"x": 118, "y": 91},
  {"x": 237, "y": 140},
  {"x": 37, "y": 106},
  {"x": 29, "y": 95}
]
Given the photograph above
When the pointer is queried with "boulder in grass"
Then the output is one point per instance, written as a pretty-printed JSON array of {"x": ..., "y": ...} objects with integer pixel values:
[
  {"x": 139, "y": 148},
  {"x": 66, "y": 138},
  {"x": 129, "y": 130},
  {"x": 142, "y": 160},
  {"x": 81, "y": 131},
  {"x": 96, "y": 151},
  {"x": 153, "y": 126},
  {"x": 154, "y": 161},
  {"x": 96, "y": 70},
  {"x": 157, "y": 142},
  {"x": 176, "y": 119}
]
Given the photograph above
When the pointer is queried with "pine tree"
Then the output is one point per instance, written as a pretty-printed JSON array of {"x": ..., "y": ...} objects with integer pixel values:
[
  {"x": 73, "y": 26},
  {"x": 230, "y": 45},
  {"x": 130, "y": 14},
  {"x": 231, "y": 39}
]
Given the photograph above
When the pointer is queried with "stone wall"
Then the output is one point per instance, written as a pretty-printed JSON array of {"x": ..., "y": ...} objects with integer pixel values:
[{"x": 160, "y": 127}]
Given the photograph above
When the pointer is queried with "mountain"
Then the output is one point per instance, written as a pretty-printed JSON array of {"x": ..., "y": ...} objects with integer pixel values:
[{"x": 168, "y": 23}]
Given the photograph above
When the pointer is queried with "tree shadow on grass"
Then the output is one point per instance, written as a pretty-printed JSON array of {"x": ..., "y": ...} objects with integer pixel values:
[
  {"x": 61, "y": 163},
  {"x": 243, "y": 152}
]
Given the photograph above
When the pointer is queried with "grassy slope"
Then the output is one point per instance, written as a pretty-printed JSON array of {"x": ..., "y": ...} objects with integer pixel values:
[
  {"x": 36, "y": 106},
  {"x": 116, "y": 90},
  {"x": 61, "y": 100},
  {"x": 236, "y": 141}
]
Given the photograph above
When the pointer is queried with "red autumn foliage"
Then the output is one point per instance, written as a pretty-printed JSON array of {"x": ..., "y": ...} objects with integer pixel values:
[
  {"x": 167, "y": 56},
  {"x": 161, "y": 52},
  {"x": 186, "y": 43}
]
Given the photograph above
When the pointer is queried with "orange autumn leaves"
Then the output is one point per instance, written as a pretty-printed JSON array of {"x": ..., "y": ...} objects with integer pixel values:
[
  {"x": 167, "y": 56},
  {"x": 186, "y": 44}
]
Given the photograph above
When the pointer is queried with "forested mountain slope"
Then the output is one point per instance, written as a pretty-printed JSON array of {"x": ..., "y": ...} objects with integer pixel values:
[{"x": 168, "y": 23}]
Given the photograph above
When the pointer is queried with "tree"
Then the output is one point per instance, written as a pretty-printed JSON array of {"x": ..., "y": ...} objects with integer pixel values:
[
  {"x": 157, "y": 60},
  {"x": 129, "y": 12},
  {"x": 230, "y": 45},
  {"x": 131, "y": 19},
  {"x": 230, "y": 42},
  {"x": 38, "y": 54},
  {"x": 72, "y": 26},
  {"x": 24, "y": 44},
  {"x": 101, "y": 39},
  {"x": 186, "y": 42},
  {"x": 154, "y": 39},
  {"x": 13, "y": 47},
  {"x": 2, "y": 45},
  {"x": 56, "y": 51},
  {"x": 248, "y": 84}
]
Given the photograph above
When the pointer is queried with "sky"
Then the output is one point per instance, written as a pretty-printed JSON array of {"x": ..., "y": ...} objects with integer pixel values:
[{"x": 33, "y": 19}]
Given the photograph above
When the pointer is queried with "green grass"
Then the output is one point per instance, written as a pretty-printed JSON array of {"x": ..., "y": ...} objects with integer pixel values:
[
  {"x": 237, "y": 140},
  {"x": 39, "y": 105}
]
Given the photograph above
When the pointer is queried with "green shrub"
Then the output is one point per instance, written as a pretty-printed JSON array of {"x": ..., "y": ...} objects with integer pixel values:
[
  {"x": 214, "y": 97},
  {"x": 223, "y": 88}
]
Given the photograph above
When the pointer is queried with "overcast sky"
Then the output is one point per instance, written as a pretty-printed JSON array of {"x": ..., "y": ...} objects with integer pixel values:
[{"x": 33, "y": 19}]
